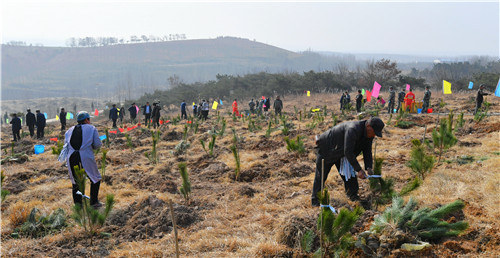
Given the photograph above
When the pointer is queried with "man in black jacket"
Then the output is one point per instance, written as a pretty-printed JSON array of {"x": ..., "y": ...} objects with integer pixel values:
[
  {"x": 479, "y": 98},
  {"x": 16, "y": 127},
  {"x": 113, "y": 115},
  {"x": 133, "y": 112},
  {"x": 147, "y": 110},
  {"x": 40, "y": 124},
  {"x": 347, "y": 140},
  {"x": 62, "y": 118},
  {"x": 359, "y": 101},
  {"x": 30, "y": 122}
]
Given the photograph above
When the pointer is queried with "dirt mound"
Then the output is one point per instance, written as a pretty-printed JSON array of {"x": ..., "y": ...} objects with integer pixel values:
[
  {"x": 171, "y": 136},
  {"x": 155, "y": 182},
  {"x": 15, "y": 186},
  {"x": 293, "y": 229},
  {"x": 148, "y": 218},
  {"x": 211, "y": 171},
  {"x": 265, "y": 144},
  {"x": 246, "y": 190},
  {"x": 255, "y": 174}
]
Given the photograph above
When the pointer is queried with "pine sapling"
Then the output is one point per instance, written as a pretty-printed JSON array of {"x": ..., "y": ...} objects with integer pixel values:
[
  {"x": 236, "y": 156},
  {"x": 296, "y": 146},
  {"x": 443, "y": 139},
  {"x": 129, "y": 141},
  {"x": 186, "y": 184},
  {"x": 383, "y": 189},
  {"x": 420, "y": 163},
  {"x": 211, "y": 145},
  {"x": 103, "y": 164},
  {"x": 5, "y": 192},
  {"x": 84, "y": 214},
  {"x": 268, "y": 131}
]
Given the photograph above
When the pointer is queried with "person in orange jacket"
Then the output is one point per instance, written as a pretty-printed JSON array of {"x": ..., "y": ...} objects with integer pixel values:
[
  {"x": 409, "y": 100},
  {"x": 235, "y": 108}
]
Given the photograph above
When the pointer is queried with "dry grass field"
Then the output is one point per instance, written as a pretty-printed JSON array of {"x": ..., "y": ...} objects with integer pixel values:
[{"x": 256, "y": 215}]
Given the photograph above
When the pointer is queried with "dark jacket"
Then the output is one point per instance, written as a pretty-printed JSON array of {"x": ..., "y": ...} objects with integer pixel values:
[
  {"x": 278, "y": 105},
  {"x": 62, "y": 117},
  {"x": 121, "y": 112},
  {"x": 347, "y": 139},
  {"x": 359, "y": 99},
  {"x": 40, "y": 120},
  {"x": 183, "y": 106},
  {"x": 133, "y": 111},
  {"x": 113, "y": 113},
  {"x": 16, "y": 124},
  {"x": 30, "y": 119},
  {"x": 144, "y": 109},
  {"x": 401, "y": 96},
  {"x": 156, "y": 112},
  {"x": 480, "y": 94}
]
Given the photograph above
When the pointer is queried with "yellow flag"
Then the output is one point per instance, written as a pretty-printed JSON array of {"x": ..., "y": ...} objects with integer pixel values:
[
  {"x": 214, "y": 106},
  {"x": 315, "y": 110},
  {"x": 308, "y": 93},
  {"x": 446, "y": 87},
  {"x": 193, "y": 104},
  {"x": 57, "y": 118}
]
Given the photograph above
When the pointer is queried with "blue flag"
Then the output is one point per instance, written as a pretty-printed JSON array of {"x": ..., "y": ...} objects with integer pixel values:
[
  {"x": 220, "y": 101},
  {"x": 470, "y": 85},
  {"x": 102, "y": 137},
  {"x": 45, "y": 114},
  {"x": 497, "y": 91}
]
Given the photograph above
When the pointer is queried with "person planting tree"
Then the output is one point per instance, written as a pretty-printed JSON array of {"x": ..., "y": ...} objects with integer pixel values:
[
  {"x": 81, "y": 140},
  {"x": 340, "y": 146}
]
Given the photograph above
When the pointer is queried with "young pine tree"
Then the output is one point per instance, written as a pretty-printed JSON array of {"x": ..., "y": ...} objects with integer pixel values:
[
  {"x": 444, "y": 139},
  {"x": 186, "y": 184},
  {"x": 382, "y": 189},
  {"x": 420, "y": 163}
]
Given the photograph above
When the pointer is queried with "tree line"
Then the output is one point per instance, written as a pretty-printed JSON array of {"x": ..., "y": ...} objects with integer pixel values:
[
  {"x": 108, "y": 41},
  {"x": 383, "y": 71}
]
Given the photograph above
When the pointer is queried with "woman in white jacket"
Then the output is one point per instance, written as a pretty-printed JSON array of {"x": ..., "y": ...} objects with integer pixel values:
[{"x": 81, "y": 140}]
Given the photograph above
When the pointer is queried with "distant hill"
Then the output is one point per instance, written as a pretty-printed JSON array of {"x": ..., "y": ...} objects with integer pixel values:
[{"x": 129, "y": 70}]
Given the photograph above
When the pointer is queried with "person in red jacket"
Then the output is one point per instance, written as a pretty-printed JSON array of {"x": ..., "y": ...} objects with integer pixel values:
[
  {"x": 235, "y": 108},
  {"x": 409, "y": 100}
]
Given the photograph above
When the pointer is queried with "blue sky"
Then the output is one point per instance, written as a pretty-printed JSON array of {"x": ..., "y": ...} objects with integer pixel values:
[{"x": 395, "y": 27}]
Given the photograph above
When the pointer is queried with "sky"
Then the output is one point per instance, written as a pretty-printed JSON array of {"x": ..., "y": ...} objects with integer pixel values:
[{"x": 394, "y": 27}]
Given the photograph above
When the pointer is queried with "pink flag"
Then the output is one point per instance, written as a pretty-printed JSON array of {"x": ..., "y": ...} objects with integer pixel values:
[
  {"x": 407, "y": 87},
  {"x": 137, "y": 108},
  {"x": 96, "y": 113},
  {"x": 368, "y": 96},
  {"x": 376, "y": 89}
]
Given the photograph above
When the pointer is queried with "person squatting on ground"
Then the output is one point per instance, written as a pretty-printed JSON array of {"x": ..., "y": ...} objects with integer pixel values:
[
  {"x": 62, "y": 119},
  {"x": 359, "y": 101},
  {"x": 278, "y": 106},
  {"x": 409, "y": 100},
  {"x": 426, "y": 100},
  {"x": 16, "y": 127},
  {"x": 156, "y": 115},
  {"x": 340, "y": 146},
  {"x": 133, "y": 112},
  {"x": 30, "y": 122},
  {"x": 392, "y": 99},
  {"x": 235, "y": 108},
  {"x": 81, "y": 140},
  {"x": 183, "y": 110},
  {"x": 380, "y": 101},
  {"x": 147, "y": 113},
  {"x": 401, "y": 98},
  {"x": 113, "y": 115},
  {"x": 479, "y": 98},
  {"x": 40, "y": 124}
]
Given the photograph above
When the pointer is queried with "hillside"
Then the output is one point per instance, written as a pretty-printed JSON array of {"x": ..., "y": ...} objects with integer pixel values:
[
  {"x": 129, "y": 70},
  {"x": 267, "y": 211}
]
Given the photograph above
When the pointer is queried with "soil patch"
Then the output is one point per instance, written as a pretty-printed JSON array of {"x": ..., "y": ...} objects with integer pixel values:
[{"x": 148, "y": 218}]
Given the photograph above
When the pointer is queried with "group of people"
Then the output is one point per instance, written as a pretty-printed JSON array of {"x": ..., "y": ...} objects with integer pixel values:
[
  {"x": 32, "y": 121},
  {"x": 151, "y": 114},
  {"x": 408, "y": 99}
]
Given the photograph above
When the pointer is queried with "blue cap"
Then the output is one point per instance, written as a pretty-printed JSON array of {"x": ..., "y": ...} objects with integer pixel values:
[{"x": 82, "y": 115}]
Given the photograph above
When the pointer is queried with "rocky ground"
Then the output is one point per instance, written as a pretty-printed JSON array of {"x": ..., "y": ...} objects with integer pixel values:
[{"x": 267, "y": 209}]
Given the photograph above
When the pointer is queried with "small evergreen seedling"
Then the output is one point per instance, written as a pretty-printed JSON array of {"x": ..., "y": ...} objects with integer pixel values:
[
  {"x": 412, "y": 185},
  {"x": 296, "y": 146},
  {"x": 56, "y": 150},
  {"x": 5, "y": 192},
  {"x": 383, "y": 189},
  {"x": 236, "y": 156},
  {"x": 335, "y": 229},
  {"x": 186, "y": 184},
  {"x": 268, "y": 131},
  {"x": 211, "y": 145},
  {"x": 420, "y": 163},
  {"x": 129, "y": 141},
  {"x": 42, "y": 225},
  {"x": 443, "y": 139},
  {"x": 86, "y": 216},
  {"x": 103, "y": 164}
]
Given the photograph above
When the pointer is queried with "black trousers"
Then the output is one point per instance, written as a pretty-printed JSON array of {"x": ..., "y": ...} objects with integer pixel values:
[
  {"x": 184, "y": 114},
  {"x": 75, "y": 160},
  {"x": 478, "y": 106},
  {"x": 63, "y": 126},
  {"x": 32, "y": 130},
  {"x": 351, "y": 187},
  {"x": 114, "y": 122},
  {"x": 16, "y": 135},
  {"x": 390, "y": 107},
  {"x": 40, "y": 132},
  {"x": 146, "y": 120}
]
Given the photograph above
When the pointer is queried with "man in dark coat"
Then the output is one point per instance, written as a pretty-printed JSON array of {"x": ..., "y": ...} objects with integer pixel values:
[
  {"x": 30, "y": 122},
  {"x": 121, "y": 113},
  {"x": 40, "y": 124},
  {"x": 278, "y": 106},
  {"x": 479, "y": 98},
  {"x": 133, "y": 112},
  {"x": 183, "y": 110},
  {"x": 62, "y": 118},
  {"x": 359, "y": 101},
  {"x": 113, "y": 115},
  {"x": 401, "y": 98},
  {"x": 16, "y": 127},
  {"x": 156, "y": 115},
  {"x": 342, "y": 144},
  {"x": 392, "y": 100},
  {"x": 426, "y": 100},
  {"x": 147, "y": 110}
]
